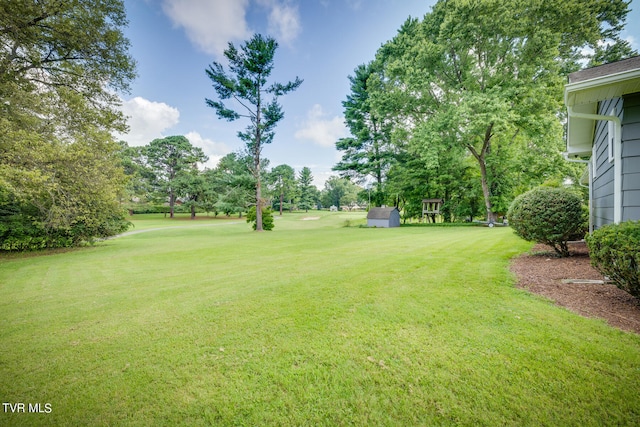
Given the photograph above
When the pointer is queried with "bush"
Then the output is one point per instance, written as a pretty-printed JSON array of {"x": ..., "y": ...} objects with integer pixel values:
[
  {"x": 267, "y": 218},
  {"x": 22, "y": 227},
  {"x": 615, "y": 252},
  {"x": 552, "y": 216}
]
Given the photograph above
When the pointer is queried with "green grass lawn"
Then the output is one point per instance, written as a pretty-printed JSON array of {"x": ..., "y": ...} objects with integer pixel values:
[{"x": 208, "y": 323}]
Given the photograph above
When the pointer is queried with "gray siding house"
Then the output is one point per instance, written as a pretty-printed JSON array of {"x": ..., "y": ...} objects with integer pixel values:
[
  {"x": 603, "y": 131},
  {"x": 383, "y": 217}
]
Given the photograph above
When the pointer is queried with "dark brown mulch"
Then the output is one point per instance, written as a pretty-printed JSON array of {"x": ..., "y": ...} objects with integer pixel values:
[{"x": 541, "y": 272}]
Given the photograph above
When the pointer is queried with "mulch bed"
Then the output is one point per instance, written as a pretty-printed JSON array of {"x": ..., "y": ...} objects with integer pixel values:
[{"x": 542, "y": 272}]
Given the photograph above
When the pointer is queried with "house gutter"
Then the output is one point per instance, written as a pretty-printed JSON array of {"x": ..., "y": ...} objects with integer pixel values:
[
  {"x": 590, "y": 186},
  {"x": 617, "y": 158}
]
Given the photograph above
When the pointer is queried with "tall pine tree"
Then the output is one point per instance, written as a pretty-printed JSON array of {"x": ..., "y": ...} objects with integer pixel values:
[{"x": 255, "y": 99}]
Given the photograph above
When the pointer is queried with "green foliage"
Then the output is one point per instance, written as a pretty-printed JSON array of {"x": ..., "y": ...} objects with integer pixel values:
[
  {"x": 481, "y": 77},
  {"x": 141, "y": 185},
  {"x": 369, "y": 152},
  {"x": 173, "y": 162},
  {"x": 144, "y": 208},
  {"x": 267, "y": 218},
  {"x": 615, "y": 252},
  {"x": 232, "y": 184},
  {"x": 65, "y": 52},
  {"x": 61, "y": 177},
  {"x": 339, "y": 192},
  {"x": 552, "y": 216},
  {"x": 284, "y": 187},
  {"x": 64, "y": 194},
  {"x": 22, "y": 228},
  {"x": 308, "y": 192}
]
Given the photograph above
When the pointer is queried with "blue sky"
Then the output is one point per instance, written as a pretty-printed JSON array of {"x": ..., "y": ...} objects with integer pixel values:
[{"x": 321, "y": 41}]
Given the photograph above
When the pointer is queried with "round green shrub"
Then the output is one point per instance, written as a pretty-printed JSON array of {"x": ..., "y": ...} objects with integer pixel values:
[
  {"x": 267, "y": 218},
  {"x": 553, "y": 216},
  {"x": 615, "y": 252}
]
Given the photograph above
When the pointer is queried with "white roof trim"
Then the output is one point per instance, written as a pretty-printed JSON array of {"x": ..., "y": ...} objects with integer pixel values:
[
  {"x": 584, "y": 96},
  {"x": 601, "y": 88}
]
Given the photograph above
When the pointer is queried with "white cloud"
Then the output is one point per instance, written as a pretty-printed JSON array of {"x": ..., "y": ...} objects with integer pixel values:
[
  {"x": 147, "y": 120},
  {"x": 210, "y": 25},
  {"x": 283, "y": 20},
  {"x": 322, "y": 129},
  {"x": 214, "y": 150},
  {"x": 354, "y": 4}
]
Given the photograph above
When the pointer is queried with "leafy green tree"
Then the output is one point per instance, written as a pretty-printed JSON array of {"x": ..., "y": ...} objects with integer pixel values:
[
  {"x": 250, "y": 68},
  {"x": 61, "y": 194},
  {"x": 308, "y": 192},
  {"x": 191, "y": 185},
  {"x": 282, "y": 179},
  {"x": 487, "y": 76},
  {"x": 168, "y": 158},
  {"x": 139, "y": 188},
  {"x": 233, "y": 183},
  {"x": 61, "y": 65},
  {"x": 65, "y": 51},
  {"x": 339, "y": 192}
]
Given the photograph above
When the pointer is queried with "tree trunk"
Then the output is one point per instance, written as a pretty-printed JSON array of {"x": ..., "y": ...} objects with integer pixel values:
[
  {"x": 281, "y": 200},
  {"x": 258, "y": 195},
  {"x": 172, "y": 201},
  {"x": 193, "y": 211},
  {"x": 256, "y": 160},
  {"x": 486, "y": 192},
  {"x": 481, "y": 158}
]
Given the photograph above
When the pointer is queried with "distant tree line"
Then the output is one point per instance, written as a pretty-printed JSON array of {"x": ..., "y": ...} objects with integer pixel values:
[{"x": 169, "y": 172}]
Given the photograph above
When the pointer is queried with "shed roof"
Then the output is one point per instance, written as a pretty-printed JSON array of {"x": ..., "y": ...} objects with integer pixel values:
[
  {"x": 588, "y": 87},
  {"x": 380, "y": 213}
]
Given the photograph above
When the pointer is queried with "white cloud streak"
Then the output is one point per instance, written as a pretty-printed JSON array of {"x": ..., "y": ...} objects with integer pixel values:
[
  {"x": 147, "y": 120},
  {"x": 322, "y": 129},
  {"x": 355, "y": 4},
  {"x": 210, "y": 25},
  {"x": 283, "y": 20}
]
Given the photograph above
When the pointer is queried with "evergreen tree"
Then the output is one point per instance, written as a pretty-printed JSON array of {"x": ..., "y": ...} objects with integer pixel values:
[
  {"x": 250, "y": 67},
  {"x": 171, "y": 158},
  {"x": 308, "y": 192}
]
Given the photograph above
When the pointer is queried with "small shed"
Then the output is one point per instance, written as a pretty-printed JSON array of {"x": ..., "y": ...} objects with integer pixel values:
[{"x": 383, "y": 217}]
